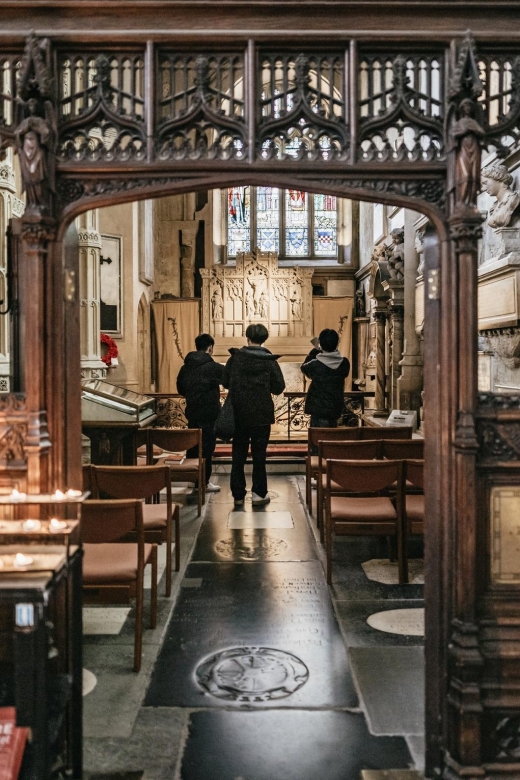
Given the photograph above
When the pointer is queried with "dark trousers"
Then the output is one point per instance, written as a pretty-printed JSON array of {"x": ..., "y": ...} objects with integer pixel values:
[
  {"x": 321, "y": 422},
  {"x": 209, "y": 441},
  {"x": 258, "y": 435}
]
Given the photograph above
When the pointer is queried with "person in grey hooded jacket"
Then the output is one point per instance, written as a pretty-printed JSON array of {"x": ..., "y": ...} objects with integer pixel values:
[
  {"x": 327, "y": 370},
  {"x": 252, "y": 375}
]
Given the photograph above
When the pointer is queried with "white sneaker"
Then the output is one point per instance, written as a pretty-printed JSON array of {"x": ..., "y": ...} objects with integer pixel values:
[
  {"x": 259, "y": 501},
  {"x": 211, "y": 488}
]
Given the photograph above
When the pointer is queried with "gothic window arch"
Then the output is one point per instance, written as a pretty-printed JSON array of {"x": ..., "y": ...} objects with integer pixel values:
[{"x": 294, "y": 224}]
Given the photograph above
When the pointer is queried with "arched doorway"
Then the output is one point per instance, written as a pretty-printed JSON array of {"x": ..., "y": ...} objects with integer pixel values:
[{"x": 177, "y": 144}]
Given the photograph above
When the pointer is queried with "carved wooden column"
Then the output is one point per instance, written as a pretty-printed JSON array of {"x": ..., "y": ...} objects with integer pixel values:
[
  {"x": 409, "y": 384},
  {"x": 464, "y": 732},
  {"x": 92, "y": 367},
  {"x": 396, "y": 313},
  {"x": 380, "y": 315}
]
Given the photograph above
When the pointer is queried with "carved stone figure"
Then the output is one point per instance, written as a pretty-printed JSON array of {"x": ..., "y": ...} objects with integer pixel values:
[
  {"x": 249, "y": 302},
  {"x": 467, "y": 134},
  {"x": 296, "y": 303},
  {"x": 263, "y": 304},
  {"x": 217, "y": 303},
  {"x": 396, "y": 257},
  {"x": 497, "y": 181},
  {"x": 360, "y": 304},
  {"x": 419, "y": 248}
]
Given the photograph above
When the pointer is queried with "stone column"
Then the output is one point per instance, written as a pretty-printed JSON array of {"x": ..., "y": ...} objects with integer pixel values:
[
  {"x": 380, "y": 315},
  {"x": 396, "y": 312},
  {"x": 188, "y": 237},
  {"x": 410, "y": 381},
  {"x": 92, "y": 367}
]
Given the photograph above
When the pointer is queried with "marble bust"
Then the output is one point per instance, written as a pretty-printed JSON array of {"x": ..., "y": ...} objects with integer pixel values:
[{"x": 497, "y": 181}]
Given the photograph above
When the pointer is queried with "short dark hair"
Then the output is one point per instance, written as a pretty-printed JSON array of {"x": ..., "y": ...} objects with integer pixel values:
[
  {"x": 257, "y": 333},
  {"x": 204, "y": 341},
  {"x": 328, "y": 339}
]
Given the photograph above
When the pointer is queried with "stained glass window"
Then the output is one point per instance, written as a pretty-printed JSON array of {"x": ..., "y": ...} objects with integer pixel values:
[
  {"x": 325, "y": 225},
  {"x": 268, "y": 219},
  {"x": 290, "y": 222},
  {"x": 239, "y": 220},
  {"x": 296, "y": 223}
]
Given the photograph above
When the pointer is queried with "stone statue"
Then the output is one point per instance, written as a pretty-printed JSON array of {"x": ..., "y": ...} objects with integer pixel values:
[
  {"x": 296, "y": 303},
  {"x": 467, "y": 134},
  {"x": 360, "y": 303},
  {"x": 497, "y": 181},
  {"x": 217, "y": 303},
  {"x": 249, "y": 302},
  {"x": 396, "y": 257},
  {"x": 263, "y": 305},
  {"x": 35, "y": 138},
  {"x": 419, "y": 248}
]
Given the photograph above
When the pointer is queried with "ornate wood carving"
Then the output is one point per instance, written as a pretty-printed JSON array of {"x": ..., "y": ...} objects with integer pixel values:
[{"x": 13, "y": 431}]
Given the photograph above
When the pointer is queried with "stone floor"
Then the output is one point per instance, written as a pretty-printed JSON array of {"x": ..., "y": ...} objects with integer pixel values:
[{"x": 253, "y": 672}]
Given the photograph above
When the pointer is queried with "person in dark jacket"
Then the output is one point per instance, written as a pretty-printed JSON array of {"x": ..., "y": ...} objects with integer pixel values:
[
  {"x": 252, "y": 374},
  {"x": 327, "y": 370},
  {"x": 199, "y": 382}
]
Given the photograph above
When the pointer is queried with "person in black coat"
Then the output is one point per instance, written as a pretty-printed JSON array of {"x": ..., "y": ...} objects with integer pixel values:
[
  {"x": 327, "y": 370},
  {"x": 199, "y": 382},
  {"x": 252, "y": 374}
]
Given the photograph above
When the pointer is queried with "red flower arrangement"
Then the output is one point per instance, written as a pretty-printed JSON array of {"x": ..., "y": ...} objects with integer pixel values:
[{"x": 112, "y": 351}]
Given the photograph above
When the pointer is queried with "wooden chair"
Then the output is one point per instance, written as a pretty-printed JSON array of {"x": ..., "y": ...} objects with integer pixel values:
[
  {"x": 414, "y": 502},
  {"x": 402, "y": 449},
  {"x": 339, "y": 450},
  {"x": 113, "y": 570},
  {"x": 314, "y": 436},
  {"x": 368, "y": 432},
  {"x": 143, "y": 482},
  {"x": 362, "y": 514},
  {"x": 180, "y": 440},
  {"x": 87, "y": 479}
]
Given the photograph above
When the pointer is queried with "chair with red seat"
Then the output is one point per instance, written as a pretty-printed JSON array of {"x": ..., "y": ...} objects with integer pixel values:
[
  {"x": 113, "y": 569},
  {"x": 314, "y": 436},
  {"x": 143, "y": 482},
  {"x": 175, "y": 440},
  {"x": 362, "y": 514},
  {"x": 339, "y": 450},
  {"x": 402, "y": 449},
  {"x": 414, "y": 502}
]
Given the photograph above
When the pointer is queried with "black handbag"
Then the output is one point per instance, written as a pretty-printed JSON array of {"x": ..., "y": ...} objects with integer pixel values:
[{"x": 225, "y": 422}]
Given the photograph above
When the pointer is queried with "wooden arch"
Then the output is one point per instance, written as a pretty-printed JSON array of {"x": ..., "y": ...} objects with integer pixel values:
[{"x": 99, "y": 123}]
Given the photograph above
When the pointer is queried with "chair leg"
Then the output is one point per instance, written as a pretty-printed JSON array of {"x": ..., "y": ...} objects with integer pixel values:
[
  {"x": 177, "y": 521},
  {"x": 153, "y": 600},
  {"x": 138, "y": 631},
  {"x": 199, "y": 496},
  {"x": 308, "y": 489},
  {"x": 328, "y": 548},
  {"x": 402, "y": 552},
  {"x": 392, "y": 549},
  {"x": 169, "y": 542},
  {"x": 319, "y": 509}
]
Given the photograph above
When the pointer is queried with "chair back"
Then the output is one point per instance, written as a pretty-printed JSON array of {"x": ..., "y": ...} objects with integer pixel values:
[
  {"x": 403, "y": 432},
  {"x": 402, "y": 449},
  {"x": 176, "y": 439},
  {"x": 364, "y": 476},
  {"x": 315, "y": 435},
  {"x": 347, "y": 450},
  {"x": 129, "y": 481},
  {"x": 415, "y": 473},
  {"x": 87, "y": 479},
  {"x": 110, "y": 521}
]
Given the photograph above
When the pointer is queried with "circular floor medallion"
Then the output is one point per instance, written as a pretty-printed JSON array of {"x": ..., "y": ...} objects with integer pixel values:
[
  {"x": 408, "y": 622},
  {"x": 252, "y": 674},
  {"x": 250, "y": 546},
  {"x": 89, "y": 682}
]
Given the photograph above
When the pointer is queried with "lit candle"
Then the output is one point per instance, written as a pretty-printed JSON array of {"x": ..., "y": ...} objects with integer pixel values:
[
  {"x": 32, "y": 525},
  {"x": 22, "y": 561},
  {"x": 58, "y": 495},
  {"x": 57, "y": 525},
  {"x": 17, "y": 496},
  {"x": 71, "y": 493}
]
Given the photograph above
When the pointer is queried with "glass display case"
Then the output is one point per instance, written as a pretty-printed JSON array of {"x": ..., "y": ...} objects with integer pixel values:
[{"x": 103, "y": 402}]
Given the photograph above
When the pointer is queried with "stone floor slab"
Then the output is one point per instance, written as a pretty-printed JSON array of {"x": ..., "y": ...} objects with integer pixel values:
[
  {"x": 283, "y": 607},
  {"x": 286, "y": 746},
  {"x": 253, "y": 519},
  {"x": 391, "y": 683},
  {"x": 353, "y": 617}
]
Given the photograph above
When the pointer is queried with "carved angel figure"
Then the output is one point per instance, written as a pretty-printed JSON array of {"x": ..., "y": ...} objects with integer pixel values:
[
  {"x": 396, "y": 257},
  {"x": 497, "y": 181},
  {"x": 467, "y": 134},
  {"x": 35, "y": 139}
]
